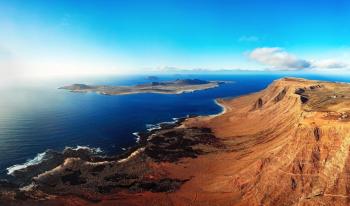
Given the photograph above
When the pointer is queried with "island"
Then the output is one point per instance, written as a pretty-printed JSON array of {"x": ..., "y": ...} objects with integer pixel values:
[
  {"x": 167, "y": 87},
  {"x": 285, "y": 145}
]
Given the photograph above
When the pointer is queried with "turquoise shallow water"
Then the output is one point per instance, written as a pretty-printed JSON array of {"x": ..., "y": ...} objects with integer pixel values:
[{"x": 38, "y": 116}]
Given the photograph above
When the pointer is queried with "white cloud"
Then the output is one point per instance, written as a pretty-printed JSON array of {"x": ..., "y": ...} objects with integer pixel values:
[
  {"x": 329, "y": 64},
  {"x": 278, "y": 59},
  {"x": 248, "y": 39}
]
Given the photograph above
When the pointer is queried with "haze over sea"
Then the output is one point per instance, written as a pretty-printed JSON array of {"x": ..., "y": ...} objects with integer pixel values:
[{"x": 37, "y": 116}]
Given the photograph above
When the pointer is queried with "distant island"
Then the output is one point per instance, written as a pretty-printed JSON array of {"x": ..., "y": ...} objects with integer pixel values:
[{"x": 167, "y": 87}]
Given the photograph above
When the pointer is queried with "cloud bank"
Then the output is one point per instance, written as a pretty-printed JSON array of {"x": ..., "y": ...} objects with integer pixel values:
[
  {"x": 329, "y": 64},
  {"x": 278, "y": 59}
]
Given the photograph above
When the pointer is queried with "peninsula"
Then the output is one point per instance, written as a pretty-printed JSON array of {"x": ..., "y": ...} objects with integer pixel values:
[
  {"x": 285, "y": 145},
  {"x": 167, "y": 87}
]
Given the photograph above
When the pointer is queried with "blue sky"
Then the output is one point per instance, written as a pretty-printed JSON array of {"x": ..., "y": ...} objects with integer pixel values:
[{"x": 76, "y": 37}]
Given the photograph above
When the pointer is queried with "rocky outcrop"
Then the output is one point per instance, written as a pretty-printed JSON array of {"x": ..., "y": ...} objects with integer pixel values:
[
  {"x": 258, "y": 104},
  {"x": 280, "y": 95},
  {"x": 85, "y": 174},
  {"x": 317, "y": 133},
  {"x": 172, "y": 145},
  {"x": 50, "y": 160}
]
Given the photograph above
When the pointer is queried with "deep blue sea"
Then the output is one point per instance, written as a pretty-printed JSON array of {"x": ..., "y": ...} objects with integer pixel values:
[{"x": 36, "y": 116}]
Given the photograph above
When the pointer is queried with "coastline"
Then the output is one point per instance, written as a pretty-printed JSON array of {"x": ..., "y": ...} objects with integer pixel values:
[
  {"x": 223, "y": 108},
  {"x": 149, "y": 144},
  {"x": 140, "y": 140},
  {"x": 94, "y": 153},
  {"x": 216, "y": 160}
]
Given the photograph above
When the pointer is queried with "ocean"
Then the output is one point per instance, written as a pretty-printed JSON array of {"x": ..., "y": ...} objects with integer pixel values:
[{"x": 36, "y": 116}]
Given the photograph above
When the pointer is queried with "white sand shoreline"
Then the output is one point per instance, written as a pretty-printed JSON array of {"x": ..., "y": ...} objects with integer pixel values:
[{"x": 223, "y": 111}]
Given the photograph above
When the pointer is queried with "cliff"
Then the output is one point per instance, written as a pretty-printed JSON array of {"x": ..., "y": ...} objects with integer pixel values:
[
  {"x": 285, "y": 145},
  {"x": 289, "y": 145}
]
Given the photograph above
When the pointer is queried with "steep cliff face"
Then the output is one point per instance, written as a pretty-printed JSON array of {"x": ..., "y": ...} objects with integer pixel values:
[
  {"x": 285, "y": 145},
  {"x": 293, "y": 148}
]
